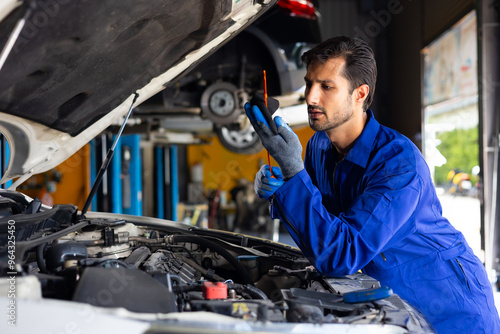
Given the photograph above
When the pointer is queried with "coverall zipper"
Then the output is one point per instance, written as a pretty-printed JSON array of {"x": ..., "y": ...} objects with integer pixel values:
[
  {"x": 334, "y": 184},
  {"x": 334, "y": 178}
]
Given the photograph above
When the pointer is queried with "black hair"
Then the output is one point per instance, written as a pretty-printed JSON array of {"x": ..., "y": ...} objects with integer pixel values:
[{"x": 360, "y": 66}]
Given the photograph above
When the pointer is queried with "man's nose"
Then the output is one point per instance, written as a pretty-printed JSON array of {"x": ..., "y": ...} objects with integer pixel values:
[{"x": 312, "y": 95}]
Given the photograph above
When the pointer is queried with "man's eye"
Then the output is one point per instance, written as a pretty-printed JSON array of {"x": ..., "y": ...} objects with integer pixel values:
[{"x": 326, "y": 87}]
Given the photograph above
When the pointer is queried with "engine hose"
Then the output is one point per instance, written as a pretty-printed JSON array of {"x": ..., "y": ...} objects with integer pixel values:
[
  {"x": 250, "y": 289},
  {"x": 244, "y": 275},
  {"x": 91, "y": 243},
  {"x": 145, "y": 240},
  {"x": 40, "y": 260},
  {"x": 185, "y": 288}
]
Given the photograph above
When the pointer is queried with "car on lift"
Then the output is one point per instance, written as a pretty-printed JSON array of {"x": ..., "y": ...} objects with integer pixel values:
[
  {"x": 68, "y": 71},
  {"x": 210, "y": 98}
]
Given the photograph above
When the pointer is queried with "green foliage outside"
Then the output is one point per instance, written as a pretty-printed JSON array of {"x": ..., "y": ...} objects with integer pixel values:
[{"x": 461, "y": 149}]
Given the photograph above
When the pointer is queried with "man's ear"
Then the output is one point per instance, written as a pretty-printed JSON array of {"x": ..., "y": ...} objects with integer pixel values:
[{"x": 361, "y": 94}]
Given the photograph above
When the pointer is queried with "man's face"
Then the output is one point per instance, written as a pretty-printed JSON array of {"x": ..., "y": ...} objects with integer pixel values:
[{"x": 329, "y": 103}]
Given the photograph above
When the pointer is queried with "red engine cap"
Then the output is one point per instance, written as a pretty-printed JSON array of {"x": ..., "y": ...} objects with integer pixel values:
[{"x": 214, "y": 291}]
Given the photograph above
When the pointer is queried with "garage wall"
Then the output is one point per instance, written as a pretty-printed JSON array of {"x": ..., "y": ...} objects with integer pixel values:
[
  {"x": 397, "y": 30},
  {"x": 405, "y": 44},
  {"x": 72, "y": 187},
  {"x": 440, "y": 15},
  {"x": 418, "y": 24},
  {"x": 360, "y": 19}
]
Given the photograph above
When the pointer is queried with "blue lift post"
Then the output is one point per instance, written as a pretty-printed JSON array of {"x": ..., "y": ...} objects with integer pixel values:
[
  {"x": 135, "y": 170},
  {"x": 160, "y": 182},
  {"x": 133, "y": 142},
  {"x": 174, "y": 181},
  {"x": 5, "y": 154},
  {"x": 116, "y": 181},
  {"x": 93, "y": 171}
]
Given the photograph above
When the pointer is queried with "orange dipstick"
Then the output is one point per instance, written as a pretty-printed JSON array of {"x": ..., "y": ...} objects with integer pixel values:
[{"x": 265, "y": 101}]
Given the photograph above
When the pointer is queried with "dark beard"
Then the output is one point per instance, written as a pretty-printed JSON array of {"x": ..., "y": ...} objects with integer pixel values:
[{"x": 341, "y": 119}]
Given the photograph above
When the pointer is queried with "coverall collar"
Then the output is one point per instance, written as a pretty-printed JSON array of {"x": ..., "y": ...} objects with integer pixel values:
[{"x": 362, "y": 148}]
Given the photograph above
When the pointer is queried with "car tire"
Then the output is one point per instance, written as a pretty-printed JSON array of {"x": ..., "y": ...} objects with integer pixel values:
[{"x": 242, "y": 141}]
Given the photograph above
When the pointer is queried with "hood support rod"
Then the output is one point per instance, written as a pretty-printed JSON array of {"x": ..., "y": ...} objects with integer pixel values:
[{"x": 107, "y": 160}]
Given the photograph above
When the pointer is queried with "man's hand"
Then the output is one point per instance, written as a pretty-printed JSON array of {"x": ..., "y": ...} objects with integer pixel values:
[
  {"x": 264, "y": 184},
  {"x": 284, "y": 147}
]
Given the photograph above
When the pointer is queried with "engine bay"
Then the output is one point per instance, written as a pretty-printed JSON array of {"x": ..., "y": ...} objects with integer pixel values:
[{"x": 147, "y": 265}]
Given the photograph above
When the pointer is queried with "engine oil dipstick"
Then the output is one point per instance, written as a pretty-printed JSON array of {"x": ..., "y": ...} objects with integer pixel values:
[{"x": 265, "y": 101}]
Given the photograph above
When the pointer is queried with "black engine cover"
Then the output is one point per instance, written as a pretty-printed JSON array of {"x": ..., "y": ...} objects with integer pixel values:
[{"x": 122, "y": 287}]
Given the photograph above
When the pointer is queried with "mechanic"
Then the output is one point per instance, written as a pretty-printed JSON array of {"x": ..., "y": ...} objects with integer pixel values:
[{"x": 364, "y": 199}]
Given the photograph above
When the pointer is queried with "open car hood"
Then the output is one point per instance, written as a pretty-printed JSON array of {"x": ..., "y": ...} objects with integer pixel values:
[{"x": 76, "y": 66}]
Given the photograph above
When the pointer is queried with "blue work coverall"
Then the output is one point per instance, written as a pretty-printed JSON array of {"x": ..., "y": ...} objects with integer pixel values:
[{"x": 377, "y": 211}]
